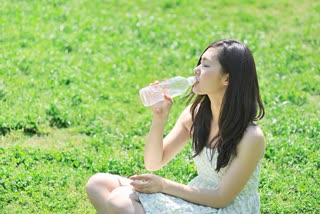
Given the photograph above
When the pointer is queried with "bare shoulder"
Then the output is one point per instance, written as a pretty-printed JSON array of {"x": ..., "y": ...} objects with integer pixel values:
[
  {"x": 187, "y": 110},
  {"x": 254, "y": 133},
  {"x": 253, "y": 140}
]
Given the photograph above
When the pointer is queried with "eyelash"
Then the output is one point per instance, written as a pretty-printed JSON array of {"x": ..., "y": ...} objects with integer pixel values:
[{"x": 206, "y": 66}]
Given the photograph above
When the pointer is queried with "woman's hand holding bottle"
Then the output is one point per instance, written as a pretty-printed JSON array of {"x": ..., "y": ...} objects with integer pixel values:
[{"x": 162, "y": 108}]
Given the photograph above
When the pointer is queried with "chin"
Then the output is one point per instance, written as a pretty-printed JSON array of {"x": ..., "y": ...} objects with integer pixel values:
[{"x": 196, "y": 92}]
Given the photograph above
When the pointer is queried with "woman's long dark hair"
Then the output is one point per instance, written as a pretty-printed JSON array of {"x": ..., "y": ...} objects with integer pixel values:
[{"x": 241, "y": 104}]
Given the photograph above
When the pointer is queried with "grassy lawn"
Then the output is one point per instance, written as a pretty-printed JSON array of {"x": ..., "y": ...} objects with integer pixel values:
[{"x": 70, "y": 72}]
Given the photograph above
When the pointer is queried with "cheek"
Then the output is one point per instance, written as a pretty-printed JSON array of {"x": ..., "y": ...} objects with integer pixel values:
[
  {"x": 205, "y": 82},
  {"x": 204, "y": 74}
]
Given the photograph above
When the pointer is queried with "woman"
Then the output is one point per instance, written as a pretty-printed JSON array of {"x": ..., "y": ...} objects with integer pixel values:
[{"x": 227, "y": 145}]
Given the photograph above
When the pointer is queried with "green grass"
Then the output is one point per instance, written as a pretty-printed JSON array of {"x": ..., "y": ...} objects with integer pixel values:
[{"x": 70, "y": 72}]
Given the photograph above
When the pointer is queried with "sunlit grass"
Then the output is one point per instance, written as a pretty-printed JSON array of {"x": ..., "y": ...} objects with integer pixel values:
[{"x": 70, "y": 74}]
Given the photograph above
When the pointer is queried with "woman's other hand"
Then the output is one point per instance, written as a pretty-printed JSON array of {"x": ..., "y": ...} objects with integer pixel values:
[{"x": 147, "y": 183}]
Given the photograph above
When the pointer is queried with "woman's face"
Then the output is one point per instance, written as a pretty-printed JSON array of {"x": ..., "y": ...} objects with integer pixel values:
[{"x": 209, "y": 74}]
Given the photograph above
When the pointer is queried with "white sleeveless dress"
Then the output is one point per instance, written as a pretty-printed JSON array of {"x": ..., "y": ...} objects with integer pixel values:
[{"x": 247, "y": 201}]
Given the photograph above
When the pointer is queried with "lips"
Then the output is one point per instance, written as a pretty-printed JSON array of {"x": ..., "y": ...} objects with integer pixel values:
[{"x": 197, "y": 79}]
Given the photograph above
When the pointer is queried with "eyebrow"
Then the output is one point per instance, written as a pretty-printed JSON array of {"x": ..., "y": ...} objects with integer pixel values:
[{"x": 204, "y": 58}]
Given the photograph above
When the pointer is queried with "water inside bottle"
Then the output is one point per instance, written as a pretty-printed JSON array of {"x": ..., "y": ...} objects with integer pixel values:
[
  {"x": 154, "y": 94},
  {"x": 150, "y": 96}
]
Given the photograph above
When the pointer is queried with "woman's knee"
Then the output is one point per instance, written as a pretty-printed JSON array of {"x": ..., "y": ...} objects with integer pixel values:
[
  {"x": 100, "y": 182},
  {"x": 121, "y": 200}
]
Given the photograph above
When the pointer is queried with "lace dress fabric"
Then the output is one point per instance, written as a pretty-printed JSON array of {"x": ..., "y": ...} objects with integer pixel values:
[{"x": 247, "y": 201}]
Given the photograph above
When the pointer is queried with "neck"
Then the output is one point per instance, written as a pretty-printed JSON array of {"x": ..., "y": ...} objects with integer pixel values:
[{"x": 215, "y": 108}]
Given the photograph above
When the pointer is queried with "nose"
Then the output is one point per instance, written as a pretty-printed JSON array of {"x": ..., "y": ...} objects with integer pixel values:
[{"x": 197, "y": 70}]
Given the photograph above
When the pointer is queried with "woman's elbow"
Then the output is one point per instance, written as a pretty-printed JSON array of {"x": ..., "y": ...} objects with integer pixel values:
[
  {"x": 223, "y": 200},
  {"x": 221, "y": 204},
  {"x": 152, "y": 167}
]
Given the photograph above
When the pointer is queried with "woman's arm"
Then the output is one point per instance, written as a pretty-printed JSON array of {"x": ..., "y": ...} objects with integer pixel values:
[
  {"x": 250, "y": 151},
  {"x": 158, "y": 151}
]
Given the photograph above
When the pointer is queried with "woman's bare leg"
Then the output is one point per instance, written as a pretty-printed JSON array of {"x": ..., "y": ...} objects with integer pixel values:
[
  {"x": 112, "y": 194},
  {"x": 124, "y": 200}
]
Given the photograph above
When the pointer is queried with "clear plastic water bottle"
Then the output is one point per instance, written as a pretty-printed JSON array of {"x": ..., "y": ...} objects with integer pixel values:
[{"x": 173, "y": 87}]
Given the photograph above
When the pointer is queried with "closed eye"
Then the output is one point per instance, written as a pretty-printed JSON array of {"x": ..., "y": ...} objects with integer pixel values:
[{"x": 204, "y": 63}]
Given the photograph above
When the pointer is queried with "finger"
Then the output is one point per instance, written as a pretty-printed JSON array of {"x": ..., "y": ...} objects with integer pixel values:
[
  {"x": 140, "y": 177},
  {"x": 142, "y": 188},
  {"x": 124, "y": 181},
  {"x": 168, "y": 97},
  {"x": 155, "y": 83},
  {"x": 137, "y": 183},
  {"x": 133, "y": 176},
  {"x": 139, "y": 189}
]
